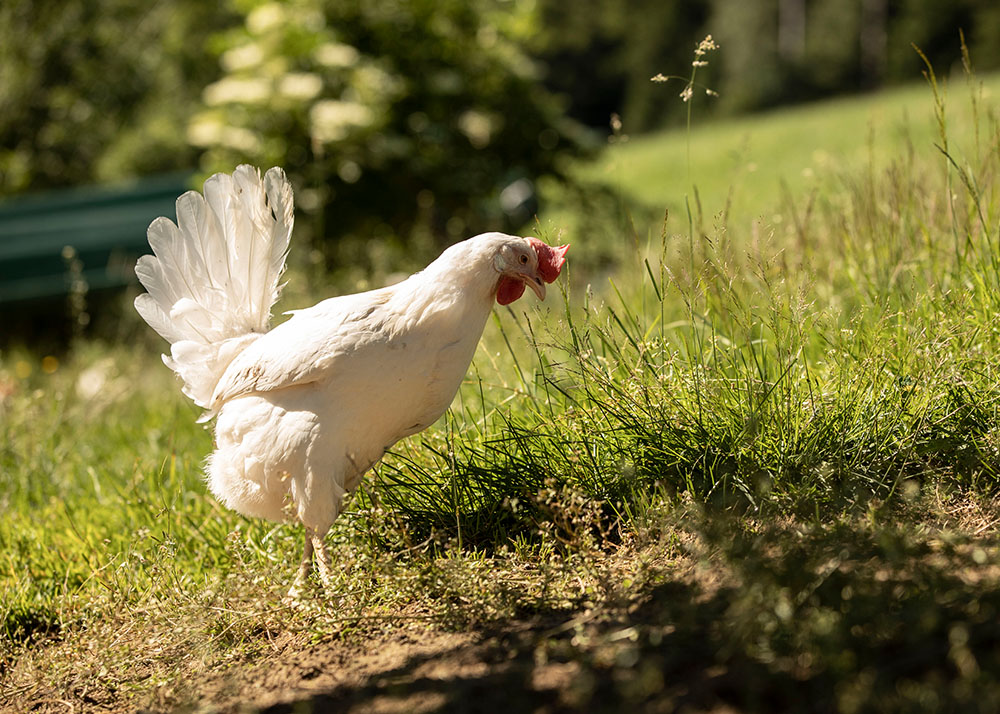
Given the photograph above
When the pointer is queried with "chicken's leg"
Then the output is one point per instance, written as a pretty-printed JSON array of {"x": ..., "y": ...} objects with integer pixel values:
[
  {"x": 322, "y": 559},
  {"x": 304, "y": 567},
  {"x": 314, "y": 545}
]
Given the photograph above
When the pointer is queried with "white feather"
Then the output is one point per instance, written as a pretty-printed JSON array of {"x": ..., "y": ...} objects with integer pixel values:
[{"x": 213, "y": 277}]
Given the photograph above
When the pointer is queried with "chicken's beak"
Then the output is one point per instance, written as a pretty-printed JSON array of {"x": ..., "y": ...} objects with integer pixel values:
[{"x": 535, "y": 283}]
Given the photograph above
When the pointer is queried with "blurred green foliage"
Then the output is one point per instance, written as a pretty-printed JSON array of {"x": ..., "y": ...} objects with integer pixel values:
[
  {"x": 397, "y": 119},
  {"x": 601, "y": 55},
  {"x": 403, "y": 121},
  {"x": 792, "y": 50},
  {"x": 96, "y": 91}
]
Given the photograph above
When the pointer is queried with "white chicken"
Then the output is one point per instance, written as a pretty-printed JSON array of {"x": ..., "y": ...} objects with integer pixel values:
[{"x": 304, "y": 410}]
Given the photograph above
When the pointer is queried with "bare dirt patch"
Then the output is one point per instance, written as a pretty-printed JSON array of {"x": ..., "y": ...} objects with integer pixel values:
[{"x": 848, "y": 616}]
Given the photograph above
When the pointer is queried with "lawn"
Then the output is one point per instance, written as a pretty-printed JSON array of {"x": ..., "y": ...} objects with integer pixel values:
[
  {"x": 744, "y": 458},
  {"x": 770, "y": 163}
]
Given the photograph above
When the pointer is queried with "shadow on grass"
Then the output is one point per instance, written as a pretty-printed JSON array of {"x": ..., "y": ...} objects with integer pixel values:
[{"x": 836, "y": 618}]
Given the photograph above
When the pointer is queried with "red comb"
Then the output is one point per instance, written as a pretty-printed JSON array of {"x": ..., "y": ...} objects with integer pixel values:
[{"x": 550, "y": 258}]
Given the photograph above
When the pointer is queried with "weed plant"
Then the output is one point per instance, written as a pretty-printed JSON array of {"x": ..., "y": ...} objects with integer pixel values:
[{"x": 833, "y": 365}]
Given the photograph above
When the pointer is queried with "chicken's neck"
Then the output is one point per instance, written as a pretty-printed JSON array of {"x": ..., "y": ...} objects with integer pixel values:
[{"x": 469, "y": 283}]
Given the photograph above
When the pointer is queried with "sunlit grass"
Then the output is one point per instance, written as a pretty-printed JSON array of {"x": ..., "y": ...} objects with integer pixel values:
[
  {"x": 832, "y": 362},
  {"x": 788, "y": 367},
  {"x": 771, "y": 164}
]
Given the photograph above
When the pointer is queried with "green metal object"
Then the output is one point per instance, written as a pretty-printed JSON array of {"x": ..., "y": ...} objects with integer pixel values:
[{"x": 81, "y": 238}]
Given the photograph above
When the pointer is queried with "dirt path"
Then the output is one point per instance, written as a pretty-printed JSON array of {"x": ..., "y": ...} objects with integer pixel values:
[
  {"x": 841, "y": 618},
  {"x": 411, "y": 672}
]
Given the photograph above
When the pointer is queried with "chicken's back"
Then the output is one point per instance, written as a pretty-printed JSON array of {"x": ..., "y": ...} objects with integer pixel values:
[{"x": 297, "y": 450}]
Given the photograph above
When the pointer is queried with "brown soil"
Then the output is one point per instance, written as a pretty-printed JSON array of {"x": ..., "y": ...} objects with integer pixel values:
[
  {"x": 839, "y": 616},
  {"x": 410, "y": 670},
  {"x": 406, "y": 672}
]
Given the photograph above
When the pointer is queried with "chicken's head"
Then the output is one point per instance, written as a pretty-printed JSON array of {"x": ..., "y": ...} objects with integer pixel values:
[{"x": 530, "y": 262}]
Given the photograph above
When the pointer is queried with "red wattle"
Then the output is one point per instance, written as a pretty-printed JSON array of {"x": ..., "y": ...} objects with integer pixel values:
[{"x": 509, "y": 289}]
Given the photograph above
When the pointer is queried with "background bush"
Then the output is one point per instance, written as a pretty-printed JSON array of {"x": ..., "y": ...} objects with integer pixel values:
[
  {"x": 404, "y": 121},
  {"x": 403, "y": 118},
  {"x": 97, "y": 92}
]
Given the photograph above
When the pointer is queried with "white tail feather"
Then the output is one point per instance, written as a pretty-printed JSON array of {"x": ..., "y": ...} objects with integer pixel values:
[{"x": 214, "y": 277}]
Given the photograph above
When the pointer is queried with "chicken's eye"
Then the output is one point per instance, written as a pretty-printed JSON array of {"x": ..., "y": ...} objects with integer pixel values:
[{"x": 524, "y": 259}]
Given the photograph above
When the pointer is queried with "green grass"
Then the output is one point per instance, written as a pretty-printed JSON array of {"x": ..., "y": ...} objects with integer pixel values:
[
  {"x": 769, "y": 164},
  {"x": 760, "y": 393},
  {"x": 785, "y": 367}
]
